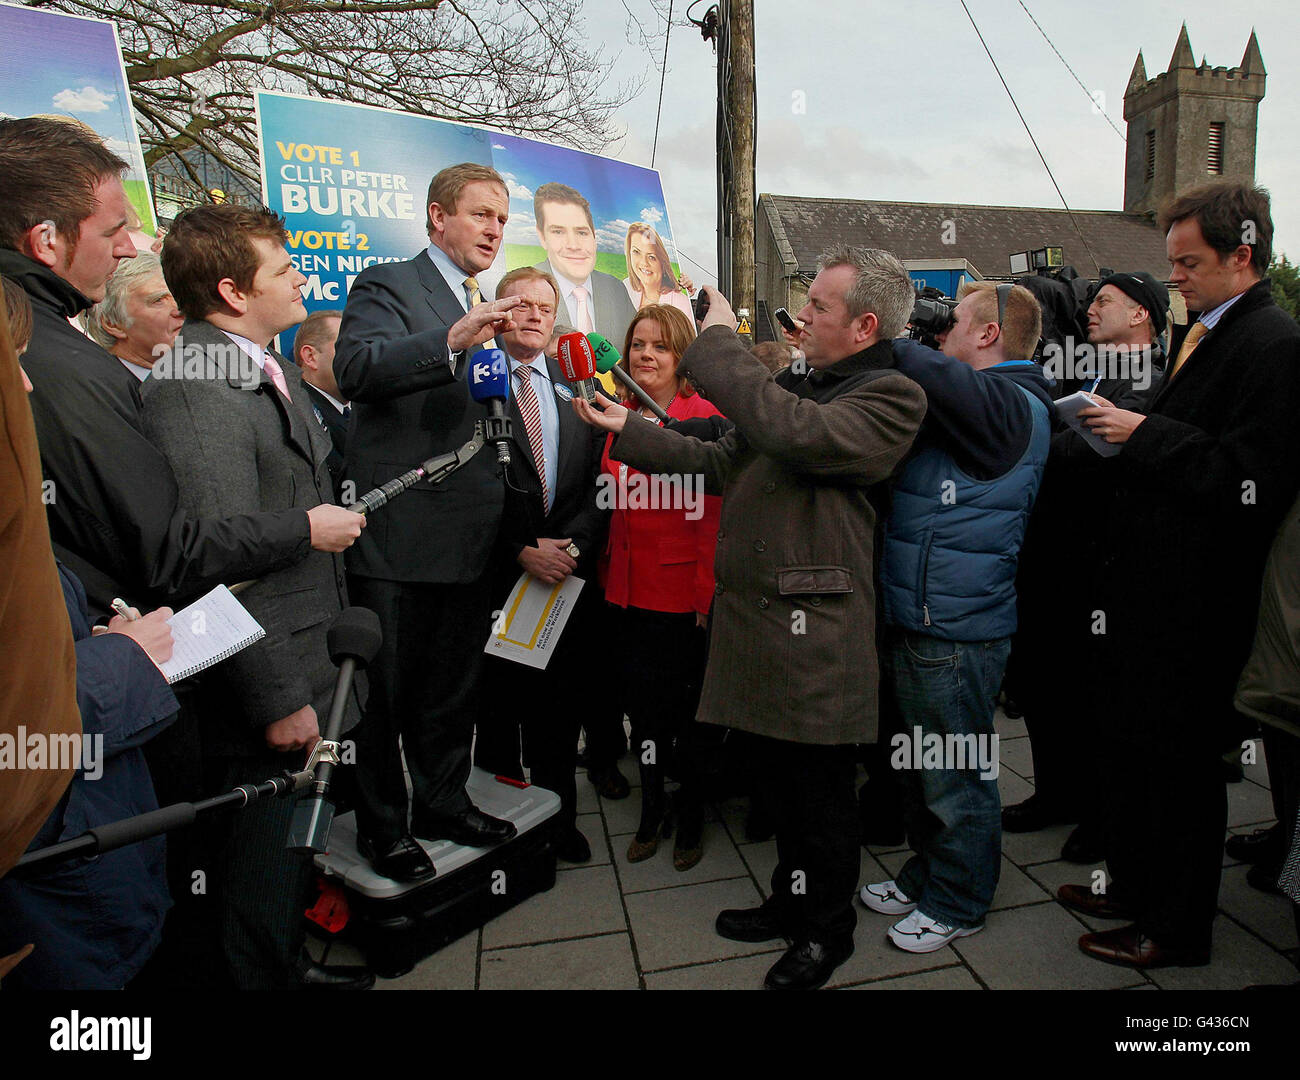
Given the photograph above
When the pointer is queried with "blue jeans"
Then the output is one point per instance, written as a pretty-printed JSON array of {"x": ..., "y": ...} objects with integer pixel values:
[{"x": 953, "y": 814}]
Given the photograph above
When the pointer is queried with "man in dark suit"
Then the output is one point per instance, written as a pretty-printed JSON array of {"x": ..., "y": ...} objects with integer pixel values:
[
  {"x": 313, "y": 352},
  {"x": 1206, "y": 473},
  {"x": 239, "y": 434},
  {"x": 589, "y": 300},
  {"x": 554, "y": 528},
  {"x": 401, "y": 359}
]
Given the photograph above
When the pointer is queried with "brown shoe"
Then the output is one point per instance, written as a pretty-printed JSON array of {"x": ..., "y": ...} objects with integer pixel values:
[
  {"x": 685, "y": 858},
  {"x": 640, "y": 850},
  {"x": 1127, "y": 946},
  {"x": 1082, "y": 899}
]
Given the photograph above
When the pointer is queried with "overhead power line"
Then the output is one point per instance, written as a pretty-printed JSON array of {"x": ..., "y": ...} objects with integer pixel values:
[
  {"x": 1016, "y": 106},
  {"x": 1071, "y": 71}
]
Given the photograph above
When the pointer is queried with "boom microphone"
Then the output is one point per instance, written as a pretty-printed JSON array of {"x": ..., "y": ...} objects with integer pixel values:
[
  {"x": 352, "y": 641},
  {"x": 578, "y": 363},
  {"x": 607, "y": 359},
  {"x": 489, "y": 383}
]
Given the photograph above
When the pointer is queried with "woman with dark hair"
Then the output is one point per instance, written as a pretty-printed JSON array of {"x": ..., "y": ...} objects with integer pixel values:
[
  {"x": 657, "y": 573},
  {"x": 650, "y": 277}
]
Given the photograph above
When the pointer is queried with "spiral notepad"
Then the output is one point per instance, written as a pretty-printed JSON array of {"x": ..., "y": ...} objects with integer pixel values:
[{"x": 214, "y": 627}]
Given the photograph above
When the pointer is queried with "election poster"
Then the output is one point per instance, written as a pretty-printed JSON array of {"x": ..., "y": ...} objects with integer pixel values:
[
  {"x": 70, "y": 67},
  {"x": 352, "y": 183}
]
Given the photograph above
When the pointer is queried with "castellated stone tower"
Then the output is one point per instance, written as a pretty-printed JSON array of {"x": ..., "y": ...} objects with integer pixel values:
[{"x": 1190, "y": 124}]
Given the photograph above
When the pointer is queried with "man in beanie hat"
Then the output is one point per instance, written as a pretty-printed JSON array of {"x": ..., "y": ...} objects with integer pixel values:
[{"x": 1128, "y": 311}]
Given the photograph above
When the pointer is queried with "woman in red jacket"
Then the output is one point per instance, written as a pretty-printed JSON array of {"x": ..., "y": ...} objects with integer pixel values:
[{"x": 657, "y": 573}]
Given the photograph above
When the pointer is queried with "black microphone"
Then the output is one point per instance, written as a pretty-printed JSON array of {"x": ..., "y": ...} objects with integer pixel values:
[
  {"x": 352, "y": 640},
  {"x": 489, "y": 383}
]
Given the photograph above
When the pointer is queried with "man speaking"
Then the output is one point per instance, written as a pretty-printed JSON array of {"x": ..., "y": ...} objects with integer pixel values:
[
  {"x": 793, "y": 659},
  {"x": 401, "y": 356}
]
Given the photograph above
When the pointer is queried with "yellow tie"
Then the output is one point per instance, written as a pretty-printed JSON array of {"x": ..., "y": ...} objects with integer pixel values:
[
  {"x": 471, "y": 286},
  {"x": 1194, "y": 335}
]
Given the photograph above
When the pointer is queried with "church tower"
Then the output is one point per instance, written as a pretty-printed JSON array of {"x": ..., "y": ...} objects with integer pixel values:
[{"x": 1190, "y": 124}]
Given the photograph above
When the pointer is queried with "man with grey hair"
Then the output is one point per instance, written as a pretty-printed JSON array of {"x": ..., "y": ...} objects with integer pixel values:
[
  {"x": 792, "y": 667},
  {"x": 137, "y": 320}
]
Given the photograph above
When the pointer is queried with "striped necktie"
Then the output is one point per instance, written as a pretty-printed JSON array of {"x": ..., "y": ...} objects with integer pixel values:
[{"x": 531, "y": 412}]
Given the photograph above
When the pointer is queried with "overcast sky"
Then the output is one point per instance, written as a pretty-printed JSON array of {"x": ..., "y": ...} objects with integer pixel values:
[{"x": 903, "y": 104}]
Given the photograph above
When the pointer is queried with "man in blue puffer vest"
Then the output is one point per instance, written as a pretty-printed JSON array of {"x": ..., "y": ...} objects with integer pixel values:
[{"x": 947, "y": 580}]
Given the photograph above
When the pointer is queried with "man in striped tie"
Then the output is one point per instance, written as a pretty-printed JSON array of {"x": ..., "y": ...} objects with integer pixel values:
[
  {"x": 1205, "y": 476},
  {"x": 552, "y": 528}
]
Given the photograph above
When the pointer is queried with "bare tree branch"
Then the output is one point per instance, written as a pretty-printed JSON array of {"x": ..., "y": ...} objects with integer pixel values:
[{"x": 518, "y": 65}]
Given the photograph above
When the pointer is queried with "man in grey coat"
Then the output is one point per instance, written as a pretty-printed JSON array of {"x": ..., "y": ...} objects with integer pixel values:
[
  {"x": 792, "y": 660},
  {"x": 236, "y": 425}
]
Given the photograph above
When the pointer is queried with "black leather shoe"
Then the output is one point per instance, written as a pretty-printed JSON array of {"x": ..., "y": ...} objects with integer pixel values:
[
  {"x": 313, "y": 976},
  {"x": 1083, "y": 846},
  {"x": 1261, "y": 846},
  {"x": 472, "y": 828},
  {"x": 404, "y": 861},
  {"x": 572, "y": 847},
  {"x": 1029, "y": 816},
  {"x": 1263, "y": 876},
  {"x": 609, "y": 782},
  {"x": 807, "y": 965},
  {"x": 762, "y": 923}
]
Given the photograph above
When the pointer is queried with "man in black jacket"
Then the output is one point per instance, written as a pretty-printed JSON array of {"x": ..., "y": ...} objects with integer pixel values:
[
  {"x": 313, "y": 352},
  {"x": 111, "y": 497},
  {"x": 1204, "y": 478}
]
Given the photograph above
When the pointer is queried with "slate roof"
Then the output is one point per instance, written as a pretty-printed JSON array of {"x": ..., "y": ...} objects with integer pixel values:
[{"x": 985, "y": 235}]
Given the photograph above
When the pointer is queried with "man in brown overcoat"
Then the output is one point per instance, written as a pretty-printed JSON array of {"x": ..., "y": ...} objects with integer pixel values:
[{"x": 792, "y": 660}]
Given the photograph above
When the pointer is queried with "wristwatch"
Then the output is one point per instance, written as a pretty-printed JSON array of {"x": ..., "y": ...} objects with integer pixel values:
[{"x": 573, "y": 551}]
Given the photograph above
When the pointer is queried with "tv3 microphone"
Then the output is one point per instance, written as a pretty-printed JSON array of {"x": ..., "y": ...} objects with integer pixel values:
[
  {"x": 578, "y": 362},
  {"x": 607, "y": 359},
  {"x": 489, "y": 384}
]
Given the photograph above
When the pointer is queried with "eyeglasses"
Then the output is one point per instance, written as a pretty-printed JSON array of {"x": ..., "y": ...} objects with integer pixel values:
[{"x": 1004, "y": 290}]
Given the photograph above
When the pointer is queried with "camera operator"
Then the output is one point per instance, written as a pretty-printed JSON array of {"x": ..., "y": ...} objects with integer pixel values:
[{"x": 948, "y": 584}]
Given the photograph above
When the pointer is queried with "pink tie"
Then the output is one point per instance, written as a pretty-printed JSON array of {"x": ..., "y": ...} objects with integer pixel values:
[
  {"x": 581, "y": 317},
  {"x": 272, "y": 368}
]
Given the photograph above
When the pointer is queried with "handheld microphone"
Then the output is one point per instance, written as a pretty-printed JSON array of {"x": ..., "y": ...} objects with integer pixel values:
[
  {"x": 489, "y": 383},
  {"x": 578, "y": 363},
  {"x": 352, "y": 640},
  {"x": 607, "y": 359}
]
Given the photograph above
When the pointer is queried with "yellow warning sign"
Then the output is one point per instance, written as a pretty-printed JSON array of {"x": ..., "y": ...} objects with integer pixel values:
[{"x": 743, "y": 328}]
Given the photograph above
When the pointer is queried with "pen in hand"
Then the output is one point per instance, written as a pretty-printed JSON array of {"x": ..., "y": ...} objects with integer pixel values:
[{"x": 119, "y": 605}]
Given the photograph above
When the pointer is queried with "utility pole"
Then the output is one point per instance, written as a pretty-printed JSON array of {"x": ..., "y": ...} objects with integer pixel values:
[{"x": 735, "y": 138}]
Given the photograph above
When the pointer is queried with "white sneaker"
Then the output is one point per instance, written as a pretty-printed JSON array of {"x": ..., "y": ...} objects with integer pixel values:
[
  {"x": 921, "y": 934},
  {"x": 887, "y": 898}
]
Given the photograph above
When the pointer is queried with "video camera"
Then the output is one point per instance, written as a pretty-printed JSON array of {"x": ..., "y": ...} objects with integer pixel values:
[{"x": 932, "y": 315}]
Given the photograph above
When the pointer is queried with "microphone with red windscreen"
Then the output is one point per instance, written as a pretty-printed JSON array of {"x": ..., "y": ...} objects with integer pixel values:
[{"x": 578, "y": 362}]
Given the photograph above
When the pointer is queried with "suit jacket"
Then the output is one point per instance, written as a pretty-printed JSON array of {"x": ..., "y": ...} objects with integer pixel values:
[
  {"x": 574, "y": 511},
  {"x": 336, "y": 426},
  {"x": 1198, "y": 492},
  {"x": 114, "y": 516},
  {"x": 612, "y": 309},
  {"x": 796, "y": 534},
  {"x": 409, "y": 403},
  {"x": 240, "y": 449}
]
